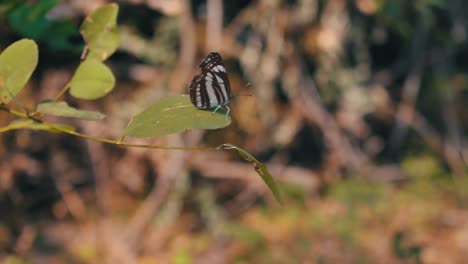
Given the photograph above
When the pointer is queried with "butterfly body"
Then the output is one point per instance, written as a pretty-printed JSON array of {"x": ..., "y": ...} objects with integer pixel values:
[{"x": 211, "y": 88}]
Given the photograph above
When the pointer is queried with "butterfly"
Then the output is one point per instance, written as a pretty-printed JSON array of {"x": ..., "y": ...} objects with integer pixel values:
[{"x": 211, "y": 88}]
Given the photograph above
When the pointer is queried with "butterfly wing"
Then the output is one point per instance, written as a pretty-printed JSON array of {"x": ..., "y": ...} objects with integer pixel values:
[
  {"x": 197, "y": 98},
  {"x": 211, "y": 88},
  {"x": 211, "y": 60}
]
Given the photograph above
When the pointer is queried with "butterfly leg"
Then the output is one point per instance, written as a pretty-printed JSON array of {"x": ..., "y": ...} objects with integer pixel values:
[
  {"x": 220, "y": 106},
  {"x": 216, "y": 109},
  {"x": 228, "y": 110}
]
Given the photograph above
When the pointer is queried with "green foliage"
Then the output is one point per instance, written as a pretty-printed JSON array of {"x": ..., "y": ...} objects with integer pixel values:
[
  {"x": 32, "y": 21},
  {"x": 63, "y": 109},
  {"x": 92, "y": 80},
  {"x": 17, "y": 63},
  {"x": 174, "y": 114},
  {"x": 100, "y": 32}
]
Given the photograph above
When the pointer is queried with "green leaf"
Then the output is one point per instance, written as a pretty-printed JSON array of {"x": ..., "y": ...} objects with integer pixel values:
[
  {"x": 92, "y": 80},
  {"x": 17, "y": 63},
  {"x": 63, "y": 109},
  {"x": 26, "y": 123},
  {"x": 100, "y": 32},
  {"x": 174, "y": 114},
  {"x": 260, "y": 168}
]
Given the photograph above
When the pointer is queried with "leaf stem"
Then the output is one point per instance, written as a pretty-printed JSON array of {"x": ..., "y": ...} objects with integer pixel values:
[
  {"x": 23, "y": 124},
  {"x": 62, "y": 92}
]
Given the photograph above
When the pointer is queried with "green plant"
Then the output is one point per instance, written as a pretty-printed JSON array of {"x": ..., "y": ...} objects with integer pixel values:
[
  {"x": 31, "y": 19},
  {"x": 93, "y": 80}
]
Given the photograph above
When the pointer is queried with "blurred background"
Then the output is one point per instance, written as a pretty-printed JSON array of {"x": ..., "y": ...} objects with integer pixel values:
[{"x": 359, "y": 111}]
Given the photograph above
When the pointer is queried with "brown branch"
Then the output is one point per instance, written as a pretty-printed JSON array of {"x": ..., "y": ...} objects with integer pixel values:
[
  {"x": 214, "y": 25},
  {"x": 179, "y": 79}
]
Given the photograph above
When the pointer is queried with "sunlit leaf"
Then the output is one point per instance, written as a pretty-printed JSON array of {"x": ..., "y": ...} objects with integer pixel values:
[
  {"x": 92, "y": 80},
  {"x": 17, "y": 63},
  {"x": 260, "y": 168},
  {"x": 174, "y": 114},
  {"x": 63, "y": 109},
  {"x": 100, "y": 32}
]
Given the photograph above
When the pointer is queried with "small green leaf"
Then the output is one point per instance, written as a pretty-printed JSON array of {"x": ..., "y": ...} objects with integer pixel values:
[
  {"x": 92, "y": 80},
  {"x": 260, "y": 168},
  {"x": 26, "y": 123},
  {"x": 63, "y": 109},
  {"x": 174, "y": 114},
  {"x": 17, "y": 63},
  {"x": 100, "y": 32}
]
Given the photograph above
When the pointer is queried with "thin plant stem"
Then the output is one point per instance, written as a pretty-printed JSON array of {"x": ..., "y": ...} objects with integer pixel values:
[{"x": 62, "y": 92}]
